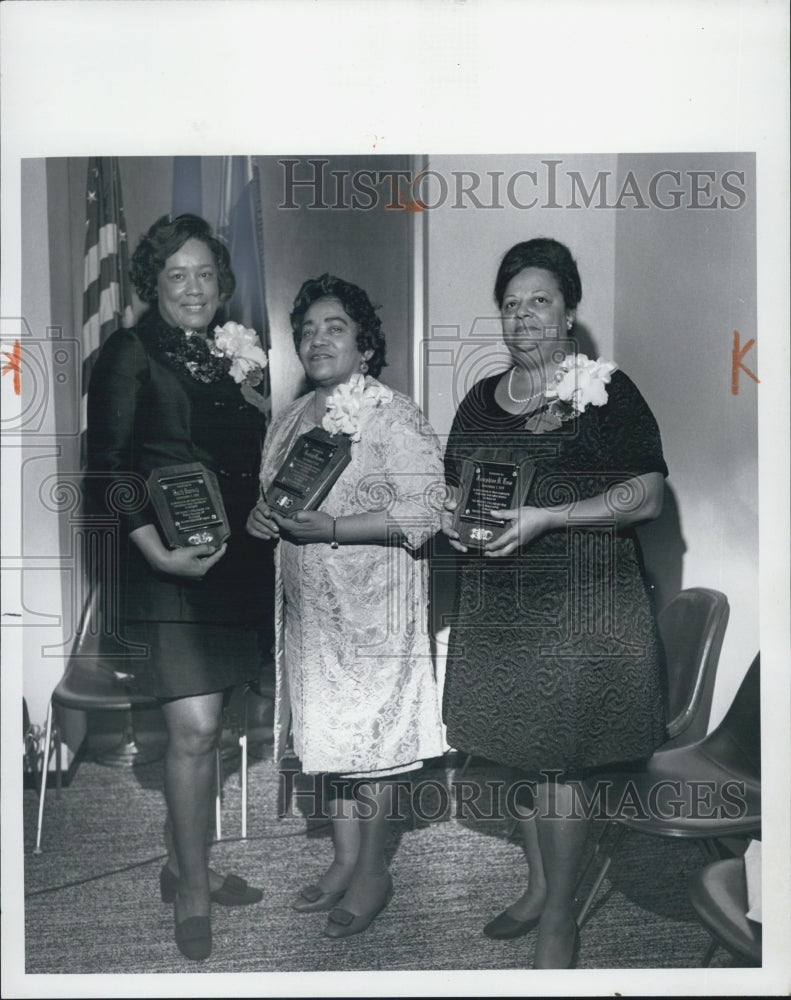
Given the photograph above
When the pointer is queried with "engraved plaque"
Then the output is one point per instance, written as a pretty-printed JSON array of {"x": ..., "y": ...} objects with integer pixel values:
[
  {"x": 189, "y": 505},
  {"x": 309, "y": 472},
  {"x": 487, "y": 486}
]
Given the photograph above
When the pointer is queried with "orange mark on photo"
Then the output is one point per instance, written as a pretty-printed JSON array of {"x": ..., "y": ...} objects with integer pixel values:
[
  {"x": 404, "y": 204},
  {"x": 14, "y": 365},
  {"x": 736, "y": 362}
]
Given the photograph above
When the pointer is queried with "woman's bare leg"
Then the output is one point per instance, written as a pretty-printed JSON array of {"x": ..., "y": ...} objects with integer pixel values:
[
  {"x": 562, "y": 841},
  {"x": 531, "y": 903},
  {"x": 346, "y": 844},
  {"x": 193, "y": 730},
  {"x": 370, "y": 879}
]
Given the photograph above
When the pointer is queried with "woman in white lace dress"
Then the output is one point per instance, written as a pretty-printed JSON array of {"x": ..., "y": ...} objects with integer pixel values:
[{"x": 354, "y": 666}]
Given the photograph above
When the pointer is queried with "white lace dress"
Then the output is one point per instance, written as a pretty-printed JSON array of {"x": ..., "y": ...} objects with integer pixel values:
[{"x": 354, "y": 665}]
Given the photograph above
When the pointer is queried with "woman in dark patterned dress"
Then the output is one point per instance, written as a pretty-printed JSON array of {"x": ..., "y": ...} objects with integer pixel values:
[
  {"x": 553, "y": 666},
  {"x": 163, "y": 394}
]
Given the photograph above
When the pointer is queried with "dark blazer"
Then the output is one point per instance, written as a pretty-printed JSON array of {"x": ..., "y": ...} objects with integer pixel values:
[{"x": 145, "y": 411}]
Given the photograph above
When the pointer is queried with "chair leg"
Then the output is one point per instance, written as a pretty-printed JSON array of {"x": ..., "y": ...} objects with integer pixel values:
[
  {"x": 129, "y": 753},
  {"x": 260, "y": 749},
  {"x": 218, "y": 799},
  {"x": 58, "y": 760},
  {"x": 599, "y": 852},
  {"x": 709, "y": 954},
  {"x": 44, "y": 769},
  {"x": 243, "y": 766},
  {"x": 707, "y": 849},
  {"x": 460, "y": 773},
  {"x": 595, "y": 853}
]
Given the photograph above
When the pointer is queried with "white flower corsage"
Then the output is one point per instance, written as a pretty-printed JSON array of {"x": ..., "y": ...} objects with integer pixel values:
[
  {"x": 241, "y": 346},
  {"x": 578, "y": 382},
  {"x": 348, "y": 401}
]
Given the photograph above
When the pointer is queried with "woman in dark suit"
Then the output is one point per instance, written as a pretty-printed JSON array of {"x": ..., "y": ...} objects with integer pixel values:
[{"x": 163, "y": 394}]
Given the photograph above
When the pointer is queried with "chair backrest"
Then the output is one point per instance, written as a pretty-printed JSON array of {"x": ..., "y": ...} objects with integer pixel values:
[
  {"x": 691, "y": 629},
  {"x": 736, "y": 742},
  {"x": 97, "y": 674},
  {"x": 87, "y": 686}
]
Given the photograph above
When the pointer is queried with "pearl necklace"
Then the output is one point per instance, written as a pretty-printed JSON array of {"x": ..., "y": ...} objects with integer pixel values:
[{"x": 516, "y": 399}]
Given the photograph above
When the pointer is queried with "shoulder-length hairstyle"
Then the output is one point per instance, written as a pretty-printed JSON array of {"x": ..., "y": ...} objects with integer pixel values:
[
  {"x": 548, "y": 254},
  {"x": 165, "y": 238},
  {"x": 355, "y": 303}
]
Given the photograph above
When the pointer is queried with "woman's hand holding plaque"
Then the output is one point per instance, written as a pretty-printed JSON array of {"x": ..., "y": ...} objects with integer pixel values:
[
  {"x": 189, "y": 506},
  {"x": 488, "y": 491}
]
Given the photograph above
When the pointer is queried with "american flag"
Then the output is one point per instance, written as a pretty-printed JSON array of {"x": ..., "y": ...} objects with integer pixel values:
[
  {"x": 240, "y": 226},
  {"x": 106, "y": 301}
]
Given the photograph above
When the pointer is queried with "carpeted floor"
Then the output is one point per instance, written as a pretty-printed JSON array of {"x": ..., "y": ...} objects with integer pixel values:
[{"x": 92, "y": 902}]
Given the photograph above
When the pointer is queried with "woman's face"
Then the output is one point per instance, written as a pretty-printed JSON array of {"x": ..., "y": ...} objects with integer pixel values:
[
  {"x": 187, "y": 288},
  {"x": 534, "y": 317},
  {"x": 328, "y": 344}
]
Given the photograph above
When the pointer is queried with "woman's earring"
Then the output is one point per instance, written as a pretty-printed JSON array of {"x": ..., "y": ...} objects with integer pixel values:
[
  {"x": 569, "y": 323},
  {"x": 363, "y": 367}
]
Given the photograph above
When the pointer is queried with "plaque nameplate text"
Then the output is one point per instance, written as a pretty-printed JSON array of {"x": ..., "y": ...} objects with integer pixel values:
[
  {"x": 487, "y": 486},
  {"x": 309, "y": 471},
  {"x": 189, "y": 505}
]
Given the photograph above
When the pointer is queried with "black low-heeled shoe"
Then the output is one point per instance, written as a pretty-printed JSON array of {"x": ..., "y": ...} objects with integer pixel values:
[
  {"x": 505, "y": 927},
  {"x": 233, "y": 892},
  {"x": 193, "y": 937},
  {"x": 313, "y": 899},
  {"x": 343, "y": 923}
]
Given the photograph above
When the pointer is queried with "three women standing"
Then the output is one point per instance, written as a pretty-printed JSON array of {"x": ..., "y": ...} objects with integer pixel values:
[{"x": 552, "y": 666}]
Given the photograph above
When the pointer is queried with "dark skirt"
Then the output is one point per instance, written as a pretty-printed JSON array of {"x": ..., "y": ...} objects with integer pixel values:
[
  {"x": 202, "y": 635},
  {"x": 553, "y": 660},
  {"x": 193, "y": 658}
]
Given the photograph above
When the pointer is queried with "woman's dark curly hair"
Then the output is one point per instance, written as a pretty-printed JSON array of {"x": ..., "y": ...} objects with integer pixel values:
[
  {"x": 355, "y": 303},
  {"x": 165, "y": 238},
  {"x": 549, "y": 255}
]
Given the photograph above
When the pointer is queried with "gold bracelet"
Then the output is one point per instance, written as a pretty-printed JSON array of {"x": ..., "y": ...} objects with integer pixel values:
[{"x": 334, "y": 543}]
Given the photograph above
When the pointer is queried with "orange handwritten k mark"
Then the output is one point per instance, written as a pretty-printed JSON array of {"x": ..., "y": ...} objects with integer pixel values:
[
  {"x": 736, "y": 362},
  {"x": 14, "y": 364}
]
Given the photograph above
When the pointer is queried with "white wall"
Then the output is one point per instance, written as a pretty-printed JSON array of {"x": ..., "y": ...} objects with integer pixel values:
[
  {"x": 370, "y": 248},
  {"x": 45, "y": 579},
  {"x": 685, "y": 280}
]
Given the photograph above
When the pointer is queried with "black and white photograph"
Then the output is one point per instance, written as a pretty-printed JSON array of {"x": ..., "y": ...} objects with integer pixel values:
[{"x": 395, "y": 502}]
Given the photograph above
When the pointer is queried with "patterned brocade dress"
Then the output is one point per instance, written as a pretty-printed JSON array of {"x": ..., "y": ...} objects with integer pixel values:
[
  {"x": 553, "y": 659},
  {"x": 354, "y": 666}
]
